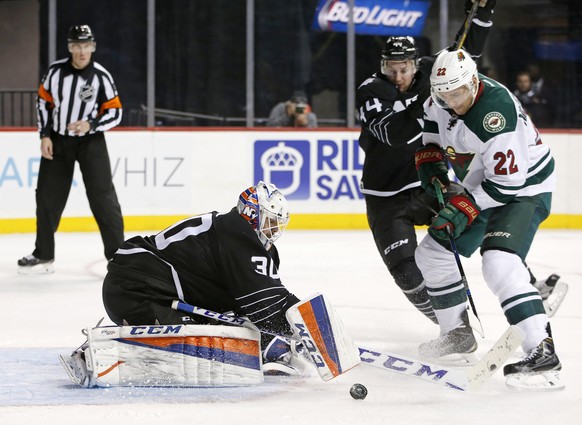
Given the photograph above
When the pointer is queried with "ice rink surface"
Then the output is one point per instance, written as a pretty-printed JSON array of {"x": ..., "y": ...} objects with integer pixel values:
[{"x": 42, "y": 316}]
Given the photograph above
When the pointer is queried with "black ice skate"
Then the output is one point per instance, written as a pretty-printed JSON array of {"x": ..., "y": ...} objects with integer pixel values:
[
  {"x": 32, "y": 265},
  {"x": 553, "y": 291},
  {"x": 457, "y": 344},
  {"x": 537, "y": 371}
]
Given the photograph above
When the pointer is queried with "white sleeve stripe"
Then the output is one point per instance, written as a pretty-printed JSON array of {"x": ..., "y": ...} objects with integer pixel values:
[
  {"x": 258, "y": 301},
  {"x": 267, "y": 308},
  {"x": 482, "y": 23},
  {"x": 414, "y": 138},
  {"x": 379, "y": 128},
  {"x": 265, "y": 318},
  {"x": 262, "y": 290}
]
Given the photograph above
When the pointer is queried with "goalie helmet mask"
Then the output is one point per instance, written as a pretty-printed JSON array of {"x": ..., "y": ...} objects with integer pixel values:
[
  {"x": 265, "y": 208},
  {"x": 451, "y": 71}
]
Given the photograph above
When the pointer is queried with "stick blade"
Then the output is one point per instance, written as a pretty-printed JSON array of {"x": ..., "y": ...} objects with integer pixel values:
[
  {"x": 443, "y": 375},
  {"x": 555, "y": 299},
  {"x": 495, "y": 357}
]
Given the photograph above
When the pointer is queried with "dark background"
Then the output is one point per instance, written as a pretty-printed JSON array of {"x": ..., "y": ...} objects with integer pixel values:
[{"x": 200, "y": 53}]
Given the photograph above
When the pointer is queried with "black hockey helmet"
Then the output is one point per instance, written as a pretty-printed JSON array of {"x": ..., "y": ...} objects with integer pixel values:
[
  {"x": 400, "y": 49},
  {"x": 80, "y": 33}
]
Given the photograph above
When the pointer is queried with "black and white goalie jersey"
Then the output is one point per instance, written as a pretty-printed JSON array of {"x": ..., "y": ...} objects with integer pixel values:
[{"x": 214, "y": 257}]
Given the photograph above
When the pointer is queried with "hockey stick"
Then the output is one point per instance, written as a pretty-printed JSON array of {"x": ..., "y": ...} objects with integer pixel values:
[
  {"x": 468, "y": 20},
  {"x": 387, "y": 361},
  {"x": 462, "y": 380},
  {"x": 476, "y": 323}
]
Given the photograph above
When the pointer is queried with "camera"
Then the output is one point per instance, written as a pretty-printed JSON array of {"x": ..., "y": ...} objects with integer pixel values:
[{"x": 300, "y": 108}]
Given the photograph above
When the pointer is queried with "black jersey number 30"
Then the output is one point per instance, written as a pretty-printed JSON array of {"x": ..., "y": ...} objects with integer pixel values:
[{"x": 265, "y": 266}]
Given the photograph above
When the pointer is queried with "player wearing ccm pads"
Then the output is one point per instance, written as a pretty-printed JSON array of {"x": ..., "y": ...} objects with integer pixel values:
[
  {"x": 475, "y": 124},
  {"x": 224, "y": 262}
]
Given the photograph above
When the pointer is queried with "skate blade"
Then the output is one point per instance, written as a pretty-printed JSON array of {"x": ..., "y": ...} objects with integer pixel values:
[
  {"x": 36, "y": 270},
  {"x": 279, "y": 369},
  {"x": 455, "y": 359},
  {"x": 543, "y": 381},
  {"x": 553, "y": 302},
  {"x": 76, "y": 375}
]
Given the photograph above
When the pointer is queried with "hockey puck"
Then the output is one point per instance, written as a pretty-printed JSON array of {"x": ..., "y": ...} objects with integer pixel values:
[{"x": 358, "y": 392}]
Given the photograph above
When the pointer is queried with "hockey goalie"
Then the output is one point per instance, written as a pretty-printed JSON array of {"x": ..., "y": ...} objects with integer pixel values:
[{"x": 224, "y": 267}]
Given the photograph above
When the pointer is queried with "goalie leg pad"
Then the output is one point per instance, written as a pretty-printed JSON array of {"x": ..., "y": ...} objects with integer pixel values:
[
  {"x": 323, "y": 335},
  {"x": 170, "y": 356}
]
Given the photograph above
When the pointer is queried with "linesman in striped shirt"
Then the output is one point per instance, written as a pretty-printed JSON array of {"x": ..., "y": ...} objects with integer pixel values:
[{"x": 77, "y": 102}]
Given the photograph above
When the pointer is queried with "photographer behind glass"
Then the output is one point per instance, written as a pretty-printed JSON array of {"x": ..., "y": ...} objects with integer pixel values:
[{"x": 295, "y": 112}]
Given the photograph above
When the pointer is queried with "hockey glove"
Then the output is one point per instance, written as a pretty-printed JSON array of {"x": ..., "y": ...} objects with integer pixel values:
[
  {"x": 456, "y": 215},
  {"x": 430, "y": 164},
  {"x": 484, "y": 11},
  {"x": 416, "y": 108}
]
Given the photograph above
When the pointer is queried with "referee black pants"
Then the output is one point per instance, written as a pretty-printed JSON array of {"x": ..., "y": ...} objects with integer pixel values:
[{"x": 54, "y": 184}]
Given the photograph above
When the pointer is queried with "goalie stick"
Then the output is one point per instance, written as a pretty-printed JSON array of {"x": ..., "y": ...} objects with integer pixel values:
[
  {"x": 458, "y": 379},
  {"x": 463, "y": 379}
]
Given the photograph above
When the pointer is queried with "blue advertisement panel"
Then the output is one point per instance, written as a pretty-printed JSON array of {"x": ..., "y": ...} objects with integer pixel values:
[
  {"x": 373, "y": 17},
  {"x": 320, "y": 169}
]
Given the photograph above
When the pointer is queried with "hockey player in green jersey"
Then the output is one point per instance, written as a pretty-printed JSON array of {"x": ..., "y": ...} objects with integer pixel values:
[{"x": 476, "y": 125}]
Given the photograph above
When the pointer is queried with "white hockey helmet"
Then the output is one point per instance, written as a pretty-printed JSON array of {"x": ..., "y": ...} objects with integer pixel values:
[
  {"x": 265, "y": 208},
  {"x": 450, "y": 71}
]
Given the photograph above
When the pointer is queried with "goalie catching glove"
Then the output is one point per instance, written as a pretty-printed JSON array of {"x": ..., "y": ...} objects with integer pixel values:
[
  {"x": 430, "y": 164},
  {"x": 459, "y": 213}
]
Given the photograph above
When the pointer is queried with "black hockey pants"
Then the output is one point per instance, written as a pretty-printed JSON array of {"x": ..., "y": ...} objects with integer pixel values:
[{"x": 54, "y": 184}]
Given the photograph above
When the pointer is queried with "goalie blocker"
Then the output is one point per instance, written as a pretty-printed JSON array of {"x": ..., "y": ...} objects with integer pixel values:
[
  {"x": 167, "y": 356},
  {"x": 320, "y": 329}
]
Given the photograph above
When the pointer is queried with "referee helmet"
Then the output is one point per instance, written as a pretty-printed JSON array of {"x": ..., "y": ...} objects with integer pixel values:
[{"x": 80, "y": 33}]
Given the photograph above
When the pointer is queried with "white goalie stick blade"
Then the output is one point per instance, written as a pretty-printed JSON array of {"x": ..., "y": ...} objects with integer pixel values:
[
  {"x": 552, "y": 304},
  {"x": 495, "y": 357},
  {"x": 458, "y": 379},
  {"x": 437, "y": 374}
]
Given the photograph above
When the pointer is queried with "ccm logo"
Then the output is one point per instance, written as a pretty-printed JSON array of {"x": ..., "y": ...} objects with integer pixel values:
[
  {"x": 395, "y": 245},
  {"x": 155, "y": 330}
]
